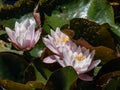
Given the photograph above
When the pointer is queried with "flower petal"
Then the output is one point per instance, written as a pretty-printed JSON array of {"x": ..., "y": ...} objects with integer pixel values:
[
  {"x": 61, "y": 62},
  {"x": 11, "y": 34},
  {"x": 37, "y": 35},
  {"x": 25, "y": 45},
  {"x": 50, "y": 46},
  {"x": 52, "y": 33},
  {"x": 93, "y": 64},
  {"x": 25, "y": 23},
  {"x": 49, "y": 59},
  {"x": 85, "y": 77}
]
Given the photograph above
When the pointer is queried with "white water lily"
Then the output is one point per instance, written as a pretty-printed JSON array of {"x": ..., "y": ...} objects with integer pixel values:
[
  {"x": 55, "y": 42},
  {"x": 81, "y": 59},
  {"x": 67, "y": 53},
  {"x": 24, "y": 36}
]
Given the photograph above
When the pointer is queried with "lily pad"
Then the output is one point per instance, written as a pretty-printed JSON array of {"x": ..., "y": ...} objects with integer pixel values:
[
  {"x": 61, "y": 79},
  {"x": 94, "y": 33},
  {"x": 12, "y": 66},
  {"x": 109, "y": 71}
]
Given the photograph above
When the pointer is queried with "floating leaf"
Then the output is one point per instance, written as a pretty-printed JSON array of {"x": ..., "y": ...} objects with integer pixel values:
[
  {"x": 108, "y": 72},
  {"x": 38, "y": 49},
  {"x": 104, "y": 53},
  {"x": 100, "y": 11},
  {"x": 82, "y": 85},
  {"x": 34, "y": 74},
  {"x": 41, "y": 71},
  {"x": 114, "y": 84},
  {"x": 94, "y": 33},
  {"x": 12, "y": 66},
  {"x": 61, "y": 79},
  {"x": 31, "y": 85}
]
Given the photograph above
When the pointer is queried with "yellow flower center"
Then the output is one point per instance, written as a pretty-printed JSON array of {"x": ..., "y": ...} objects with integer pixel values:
[
  {"x": 63, "y": 40},
  {"x": 79, "y": 57}
]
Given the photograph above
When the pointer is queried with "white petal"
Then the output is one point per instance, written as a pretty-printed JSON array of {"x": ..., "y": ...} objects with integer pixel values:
[
  {"x": 20, "y": 40},
  {"x": 17, "y": 26},
  {"x": 52, "y": 33},
  {"x": 49, "y": 59},
  {"x": 11, "y": 34},
  {"x": 61, "y": 62},
  {"x": 86, "y": 53},
  {"x": 50, "y": 46},
  {"x": 37, "y": 36},
  {"x": 26, "y": 45},
  {"x": 25, "y": 23},
  {"x": 84, "y": 49},
  {"x": 58, "y": 30},
  {"x": 93, "y": 64},
  {"x": 30, "y": 33}
]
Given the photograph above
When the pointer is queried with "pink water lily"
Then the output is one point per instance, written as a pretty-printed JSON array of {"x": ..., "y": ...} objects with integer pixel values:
[
  {"x": 24, "y": 36},
  {"x": 81, "y": 59},
  {"x": 55, "y": 42},
  {"x": 67, "y": 53}
]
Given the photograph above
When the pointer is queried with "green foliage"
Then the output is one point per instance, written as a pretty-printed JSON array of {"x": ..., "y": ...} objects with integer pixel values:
[
  {"x": 61, "y": 79},
  {"x": 87, "y": 18},
  {"x": 12, "y": 66},
  {"x": 108, "y": 74}
]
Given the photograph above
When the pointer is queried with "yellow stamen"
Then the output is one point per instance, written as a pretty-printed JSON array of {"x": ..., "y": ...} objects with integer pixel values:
[
  {"x": 65, "y": 39},
  {"x": 79, "y": 57}
]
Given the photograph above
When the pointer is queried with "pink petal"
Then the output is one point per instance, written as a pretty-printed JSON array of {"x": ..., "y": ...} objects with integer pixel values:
[
  {"x": 80, "y": 70},
  {"x": 49, "y": 59},
  {"x": 50, "y": 46},
  {"x": 93, "y": 64},
  {"x": 37, "y": 18},
  {"x": 86, "y": 53},
  {"x": 17, "y": 26},
  {"x": 25, "y": 23},
  {"x": 58, "y": 30},
  {"x": 30, "y": 32},
  {"x": 25, "y": 46},
  {"x": 72, "y": 45},
  {"x": 37, "y": 35},
  {"x": 67, "y": 57},
  {"x": 85, "y": 77},
  {"x": 10, "y": 34},
  {"x": 52, "y": 33},
  {"x": 61, "y": 62}
]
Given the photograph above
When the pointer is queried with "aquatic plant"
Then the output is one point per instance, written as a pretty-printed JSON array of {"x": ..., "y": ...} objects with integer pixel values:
[{"x": 59, "y": 45}]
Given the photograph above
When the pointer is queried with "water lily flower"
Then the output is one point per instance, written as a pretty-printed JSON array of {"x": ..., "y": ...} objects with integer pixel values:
[
  {"x": 24, "y": 36},
  {"x": 81, "y": 59},
  {"x": 54, "y": 42}
]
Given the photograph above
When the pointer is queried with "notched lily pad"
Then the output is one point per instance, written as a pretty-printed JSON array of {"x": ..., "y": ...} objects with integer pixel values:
[{"x": 61, "y": 79}]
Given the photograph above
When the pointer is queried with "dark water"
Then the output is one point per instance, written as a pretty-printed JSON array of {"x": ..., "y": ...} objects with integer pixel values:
[{"x": 9, "y": 2}]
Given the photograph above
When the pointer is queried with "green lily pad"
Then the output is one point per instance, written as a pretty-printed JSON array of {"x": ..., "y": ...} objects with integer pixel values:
[
  {"x": 11, "y": 85},
  {"x": 61, "y": 79},
  {"x": 12, "y": 66},
  {"x": 36, "y": 73},
  {"x": 114, "y": 84},
  {"x": 109, "y": 71}
]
